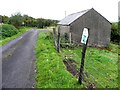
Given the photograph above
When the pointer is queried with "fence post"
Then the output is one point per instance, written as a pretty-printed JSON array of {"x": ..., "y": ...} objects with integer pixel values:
[
  {"x": 84, "y": 40},
  {"x": 58, "y": 44},
  {"x": 82, "y": 63},
  {"x": 55, "y": 35},
  {"x": 70, "y": 37}
]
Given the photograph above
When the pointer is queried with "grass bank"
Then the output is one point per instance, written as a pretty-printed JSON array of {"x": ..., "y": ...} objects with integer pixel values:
[
  {"x": 21, "y": 31},
  {"x": 51, "y": 72},
  {"x": 101, "y": 66}
]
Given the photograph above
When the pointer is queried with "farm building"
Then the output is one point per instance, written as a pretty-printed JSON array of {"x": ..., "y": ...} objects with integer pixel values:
[{"x": 99, "y": 27}]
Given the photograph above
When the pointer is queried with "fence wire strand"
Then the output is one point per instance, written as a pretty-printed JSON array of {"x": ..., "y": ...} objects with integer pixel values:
[
  {"x": 105, "y": 77},
  {"x": 91, "y": 78}
]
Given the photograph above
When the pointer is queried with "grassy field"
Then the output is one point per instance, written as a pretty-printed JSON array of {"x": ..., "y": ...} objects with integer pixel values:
[
  {"x": 100, "y": 66},
  {"x": 22, "y": 30}
]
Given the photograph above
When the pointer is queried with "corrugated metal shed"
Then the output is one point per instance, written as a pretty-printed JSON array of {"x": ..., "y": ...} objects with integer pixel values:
[{"x": 72, "y": 17}]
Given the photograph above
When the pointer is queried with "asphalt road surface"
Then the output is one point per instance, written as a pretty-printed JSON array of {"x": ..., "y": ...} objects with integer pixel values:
[{"x": 18, "y": 57}]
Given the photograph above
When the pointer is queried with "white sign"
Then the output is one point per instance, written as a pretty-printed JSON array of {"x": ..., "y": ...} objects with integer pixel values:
[{"x": 84, "y": 36}]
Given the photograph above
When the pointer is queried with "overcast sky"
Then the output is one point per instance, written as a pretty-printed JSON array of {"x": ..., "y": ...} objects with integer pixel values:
[
  {"x": 119, "y": 9},
  {"x": 55, "y": 9}
]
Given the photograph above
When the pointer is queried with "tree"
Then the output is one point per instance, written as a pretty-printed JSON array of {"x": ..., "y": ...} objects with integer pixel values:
[
  {"x": 5, "y": 19},
  {"x": 16, "y": 20},
  {"x": 29, "y": 21},
  {"x": 25, "y": 19},
  {"x": 115, "y": 33},
  {"x": 40, "y": 23}
]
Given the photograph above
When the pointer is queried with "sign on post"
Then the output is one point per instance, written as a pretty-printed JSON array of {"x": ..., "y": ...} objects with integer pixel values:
[
  {"x": 84, "y": 40},
  {"x": 84, "y": 36}
]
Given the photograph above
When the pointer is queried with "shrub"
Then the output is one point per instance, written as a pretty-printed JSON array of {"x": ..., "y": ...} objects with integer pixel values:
[
  {"x": 115, "y": 32},
  {"x": 8, "y": 30}
]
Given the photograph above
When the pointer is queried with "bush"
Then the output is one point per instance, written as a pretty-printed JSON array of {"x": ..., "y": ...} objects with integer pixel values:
[
  {"x": 8, "y": 31},
  {"x": 115, "y": 32}
]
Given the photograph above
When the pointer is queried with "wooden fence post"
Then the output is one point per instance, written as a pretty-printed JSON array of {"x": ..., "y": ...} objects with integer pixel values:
[
  {"x": 58, "y": 44},
  {"x": 82, "y": 64},
  {"x": 70, "y": 37},
  {"x": 55, "y": 35}
]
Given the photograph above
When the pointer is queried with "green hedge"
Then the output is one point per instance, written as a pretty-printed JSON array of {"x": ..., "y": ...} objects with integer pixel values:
[
  {"x": 8, "y": 31},
  {"x": 115, "y": 32}
]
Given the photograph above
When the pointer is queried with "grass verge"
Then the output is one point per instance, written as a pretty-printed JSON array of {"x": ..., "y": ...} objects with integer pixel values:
[
  {"x": 22, "y": 30},
  {"x": 51, "y": 72},
  {"x": 100, "y": 71}
]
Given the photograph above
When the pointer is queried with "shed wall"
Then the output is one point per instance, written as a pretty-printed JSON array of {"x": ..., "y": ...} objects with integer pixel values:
[
  {"x": 64, "y": 29},
  {"x": 100, "y": 29}
]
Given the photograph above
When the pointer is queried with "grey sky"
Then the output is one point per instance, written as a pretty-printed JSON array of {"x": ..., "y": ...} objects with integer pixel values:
[{"x": 55, "y": 9}]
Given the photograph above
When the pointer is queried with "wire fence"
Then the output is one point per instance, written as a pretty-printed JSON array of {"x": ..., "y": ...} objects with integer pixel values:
[{"x": 99, "y": 72}]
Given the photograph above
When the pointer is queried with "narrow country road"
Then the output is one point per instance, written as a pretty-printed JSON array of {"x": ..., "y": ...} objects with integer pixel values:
[{"x": 18, "y": 58}]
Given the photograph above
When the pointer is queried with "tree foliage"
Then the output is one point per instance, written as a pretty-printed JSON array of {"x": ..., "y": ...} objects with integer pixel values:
[
  {"x": 29, "y": 21},
  {"x": 115, "y": 32},
  {"x": 4, "y": 19},
  {"x": 42, "y": 23},
  {"x": 16, "y": 20}
]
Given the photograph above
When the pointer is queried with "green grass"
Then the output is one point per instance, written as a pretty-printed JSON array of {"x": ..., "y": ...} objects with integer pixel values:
[
  {"x": 51, "y": 72},
  {"x": 100, "y": 66},
  {"x": 113, "y": 47},
  {"x": 21, "y": 31}
]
